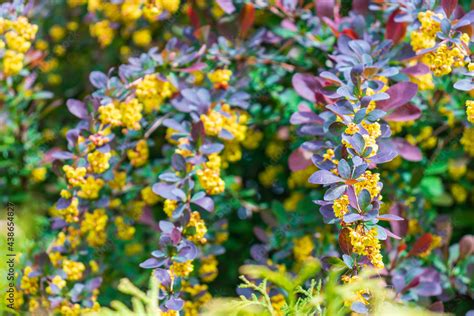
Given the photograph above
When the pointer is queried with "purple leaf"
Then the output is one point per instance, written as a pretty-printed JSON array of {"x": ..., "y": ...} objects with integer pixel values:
[
  {"x": 335, "y": 192},
  {"x": 400, "y": 94},
  {"x": 418, "y": 69},
  {"x": 390, "y": 217},
  {"x": 324, "y": 177},
  {"x": 77, "y": 108},
  {"x": 325, "y": 8},
  {"x": 226, "y": 5},
  {"x": 350, "y": 218},
  {"x": 208, "y": 149},
  {"x": 62, "y": 155},
  {"x": 205, "y": 203},
  {"x": 151, "y": 263},
  {"x": 164, "y": 190},
  {"x": 98, "y": 79}
]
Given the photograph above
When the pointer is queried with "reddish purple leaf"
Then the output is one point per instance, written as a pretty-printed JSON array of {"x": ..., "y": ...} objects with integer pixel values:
[
  {"x": 418, "y": 69},
  {"x": 325, "y": 8},
  {"x": 449, "y": 6},
  {"x": 406, "y": 112},
  {"x": 299, "y": 159},
  {"x": 395, "y": 31},
  {"x": 306, "y": 86},
  {"x": 421, "y": 245},
  {"x": 400, "y": 94},
  {"x": 406, "y": 150},
  {"x": 390, "y": 217}
]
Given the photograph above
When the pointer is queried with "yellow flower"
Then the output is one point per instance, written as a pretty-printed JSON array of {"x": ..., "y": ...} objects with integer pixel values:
[
  {"x": 29, "y": 285},
  {"x": 153, "y": 92},
  {"x": 131, "y": 114},
  {"x": 470, "y": 110},
  {"x": 209, "y": 175},
  {"x": 303, "y": 248},
  {"x": 138, "y": 156},
  {"x": 292, "y": 201},
  {"x": 467, "y": 141},
  {"x": 119, "y": 180},
  {"x": 12, "y": 62},
  {"x": 182, "y": 269},
  {"x": 340, "y": 206},
  {"x": 99, "y": 161},
  {"x": 459, "y": 193},
  {"x": 196, "y": 229},
  {"x": 58, "y": 282},
  {"x": 169, "y": 207},
  {"x": 90, "y": 188},
  {"x": 75, "y": 176},
  {"x": 268, "y": 176},
  {"x": 73, "y": 269},
  {"x": 71, "y": 213},
  {"x": 39, "y": 174},
  {"x": 110, "y": 114},
  {"x": 149, "y": 196},
  {"x": 94, "y": 225},
  {"x": 103, "y": 31},
  {"x": 220, "y": 78},
  {"x": 142, "y": 37},
  {"x": 457, "y": 168},
  {"x": 124, "y": 231},
  {"x": 253, "y": 139},
  {"x": 366, "y": 243},
  {"x": 208, "y": 269},
  {"x": 57, "y": 32}
]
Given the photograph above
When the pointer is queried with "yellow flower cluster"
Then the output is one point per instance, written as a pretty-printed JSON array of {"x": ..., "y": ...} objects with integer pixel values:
[
  {"x": 303, "y": 247},
  {"x": 457, "y": 168},
  {"x": 370, "y": 182},
  {"x": 94, "y": 225},
  {"x": 366, "y": 243},
  {"x": 73, "y": 269},
  {"x": 152, "y": 92},
  {"x": 103, "y": 31},
  {"x": 149, "y": 196},
  {"x": 340, "y": 206},
  {"x": 124, "y": 231},
  {"x": 227, "y": 118},
  {"x": 139, "y": 156},
  {"x": 57, "y": 281},
  {"x": 75, "y": 176},
  {"x": 119, "y": 180},
  {"x": 252, "y": 139},
  {"x": 278, "y": 302},
  {"x": 208, "y": 269},
  {"x": 18, "y": 35},
  {"x": 110, "y": 114},
  {"x": 209, "y": 175},
  {"x": 154, "y": 8},
  {"x": 29, "y": 285},
  {"x": 442, "y": 60},
  {"x": 470, "y": 110},
  {"x": 459, "y": 193},
  {"x": 39, "y": 174},
  {"x": 196, "y": 229},
  {"x": 467, "y": 141},
  {"x": 135, "y": 209},
  {"x": 425, "y": 37},
  {"x": 199, "y": 296},
  {"x": 291, "y": 203},
  {"x": 90, "y": 188},
  {"x": 131, "y": 111},
  {"x": 99, "y": 161},
  {"x": 220, "y": 78},
  {"x": 71, "y": 213},
  {"x": 181, "y": 269},
  {"x": 169, "y": 207},
  {"x": 300, "y": 178},
  {"x": 425, "y": 138},
  {"x": 269, "y": 175}
]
